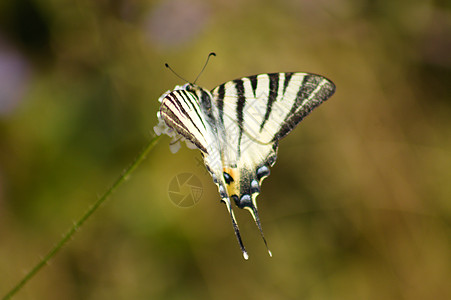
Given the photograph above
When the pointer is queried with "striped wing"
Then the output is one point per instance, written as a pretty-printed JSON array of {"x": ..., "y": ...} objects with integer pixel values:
[
  {"x": 256, "y": 112},
  {"x": 267, "y": 107},
  {"x": 181, "y": 111}
]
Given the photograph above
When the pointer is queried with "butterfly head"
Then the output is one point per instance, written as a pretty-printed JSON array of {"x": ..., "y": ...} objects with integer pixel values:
[{"x": 203, "y": 96}]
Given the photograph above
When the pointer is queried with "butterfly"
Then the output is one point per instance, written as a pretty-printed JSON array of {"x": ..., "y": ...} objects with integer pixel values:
[{"x": 237, "y": 127}]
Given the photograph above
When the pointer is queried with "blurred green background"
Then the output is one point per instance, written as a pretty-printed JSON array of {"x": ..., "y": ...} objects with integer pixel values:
[{"x": 358, "y": 204}]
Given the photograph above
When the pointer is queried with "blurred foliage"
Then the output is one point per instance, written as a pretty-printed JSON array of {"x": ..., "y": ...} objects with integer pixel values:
[{"x": 357, "y": 206}]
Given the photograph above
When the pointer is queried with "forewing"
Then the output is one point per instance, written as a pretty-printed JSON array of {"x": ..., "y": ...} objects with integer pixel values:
[
  {"x": 181, "y": 111},
  {"x": 268, "y": 106}
]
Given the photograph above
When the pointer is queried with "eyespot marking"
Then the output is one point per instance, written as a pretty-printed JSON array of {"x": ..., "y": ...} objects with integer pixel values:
[
  {"x": 254, "y": 186},
  {"x": 245, "y": 201},
  {"x": 263, "y": 171},
  {"x": 228, "y": 179}
]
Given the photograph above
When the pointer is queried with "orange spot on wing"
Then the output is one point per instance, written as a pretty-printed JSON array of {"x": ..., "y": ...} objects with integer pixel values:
[{"x": 233, "y": 188}]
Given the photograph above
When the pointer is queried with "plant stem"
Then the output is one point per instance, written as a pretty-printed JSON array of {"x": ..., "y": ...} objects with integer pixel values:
[{"x": 68, "y": 235}]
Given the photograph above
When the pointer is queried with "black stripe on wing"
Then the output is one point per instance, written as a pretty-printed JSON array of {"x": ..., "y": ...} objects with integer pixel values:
[
  {"x": 288, "y": 76},
  {"x": 191, "y": 101},
  {"x": 173, "y": 121},
  {"x": 240, "y": 103},
  {"x": 314, "y": 90},
  {"x": 253, "y": 79},
  {"x": 175, "y": 100},
  {"x": 220, "y": 102},
  {"x": 273, "y": 90}
]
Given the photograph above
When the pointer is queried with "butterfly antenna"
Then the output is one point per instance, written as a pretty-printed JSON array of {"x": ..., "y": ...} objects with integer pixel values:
[
  {"x": 237, "y": 230},
  {"x": 167, "y": 66},
  {"x": 254, "y": 214},
  {"x": 205, "y": 65}
]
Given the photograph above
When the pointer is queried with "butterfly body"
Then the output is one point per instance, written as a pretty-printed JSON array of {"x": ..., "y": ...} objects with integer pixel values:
[{"x": 238, "y": 125}]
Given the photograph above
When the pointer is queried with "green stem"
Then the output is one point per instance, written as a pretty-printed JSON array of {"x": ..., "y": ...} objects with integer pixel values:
[{"x": 82, "y": 220}]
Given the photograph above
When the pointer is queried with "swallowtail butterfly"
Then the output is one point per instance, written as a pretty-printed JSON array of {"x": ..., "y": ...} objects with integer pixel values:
[{"x": 237, "y": 127}]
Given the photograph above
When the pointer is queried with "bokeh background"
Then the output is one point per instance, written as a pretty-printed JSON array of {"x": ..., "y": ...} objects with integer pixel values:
[{"x": 358, "y": 205}]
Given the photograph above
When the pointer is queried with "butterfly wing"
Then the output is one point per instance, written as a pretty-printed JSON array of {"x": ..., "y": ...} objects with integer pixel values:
[
  {"x": 256, "y": 112},
  {"x": 190, "y": 113},
  {"x": 181, "y": 111},
  {"x": 238, "y": 126}
]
